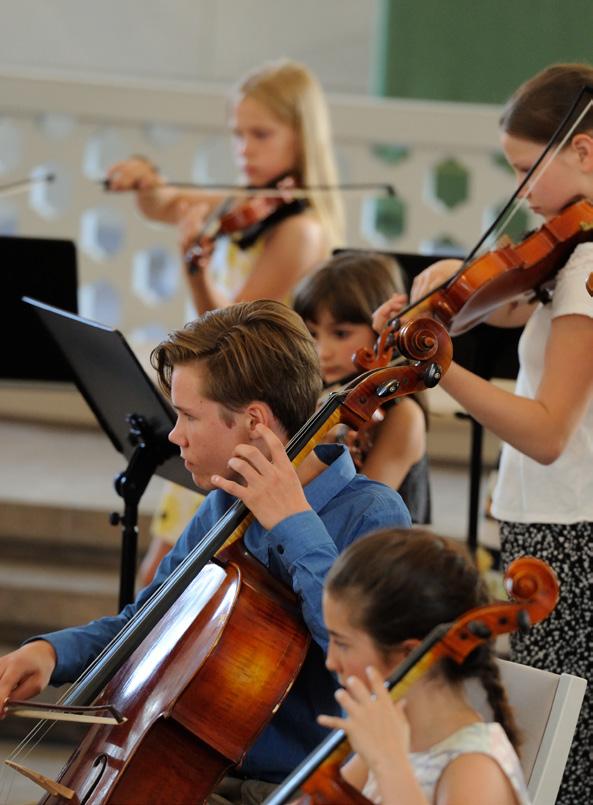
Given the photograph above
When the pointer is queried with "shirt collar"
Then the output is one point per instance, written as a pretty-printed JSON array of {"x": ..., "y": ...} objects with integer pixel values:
[{"x": 329, "y": 483}]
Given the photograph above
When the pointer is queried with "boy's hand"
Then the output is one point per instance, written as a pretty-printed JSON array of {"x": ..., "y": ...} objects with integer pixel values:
[
  {"x": 271, "y": 489},
  {"x": 26, "y": 672}
]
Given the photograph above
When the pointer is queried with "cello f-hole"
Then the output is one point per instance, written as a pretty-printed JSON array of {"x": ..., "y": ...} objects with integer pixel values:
[{"x": 100, "y": 760}]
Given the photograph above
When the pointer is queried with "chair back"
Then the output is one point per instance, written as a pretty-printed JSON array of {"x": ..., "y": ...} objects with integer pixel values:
[{"x": 546, "y": 708}]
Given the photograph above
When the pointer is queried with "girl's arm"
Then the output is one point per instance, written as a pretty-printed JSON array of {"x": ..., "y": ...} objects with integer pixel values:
[
  {"x": 155, "y": 199},
  {"x": 290, "y": 251},
  {"x": 355, "y": 772},
  {"x": 400, "y": 442},
  {"x": 539, "y": 428},
  {"x": 511, "y": 314},
  {"x": 474, "y": 778}
]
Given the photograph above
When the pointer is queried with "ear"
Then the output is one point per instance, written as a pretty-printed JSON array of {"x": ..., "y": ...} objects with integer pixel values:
[
  {"x": 255, "y": 413},
  {"x": 407, "y": 646},
  {"x": 400, "y": 652},
  {"x": 582, "y": 144}
]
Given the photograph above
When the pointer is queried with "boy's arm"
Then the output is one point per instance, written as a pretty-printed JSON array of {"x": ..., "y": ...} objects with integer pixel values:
[
  {"x": 76, "y": 647},
  {"x": 297, "y": 535}
]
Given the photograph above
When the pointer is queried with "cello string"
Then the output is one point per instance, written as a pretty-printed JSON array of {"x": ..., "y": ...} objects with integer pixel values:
[{"x": 22, "y": 752}]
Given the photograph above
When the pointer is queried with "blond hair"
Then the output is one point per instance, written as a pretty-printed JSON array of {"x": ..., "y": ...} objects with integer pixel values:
[
  {"x": 251, "y": 351},
  {"x": 293, "y": 95}
]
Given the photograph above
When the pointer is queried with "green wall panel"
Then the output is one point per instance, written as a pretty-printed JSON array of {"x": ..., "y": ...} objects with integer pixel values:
[{"x": 472, "y": 50}]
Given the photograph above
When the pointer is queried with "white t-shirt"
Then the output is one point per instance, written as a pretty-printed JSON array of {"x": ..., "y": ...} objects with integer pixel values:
[{"x": 561, "y": 492}]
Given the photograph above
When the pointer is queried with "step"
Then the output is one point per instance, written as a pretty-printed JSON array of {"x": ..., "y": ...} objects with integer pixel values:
[
  {"x": 63, "y": 535},
  {"x": 34, "y": 598}
]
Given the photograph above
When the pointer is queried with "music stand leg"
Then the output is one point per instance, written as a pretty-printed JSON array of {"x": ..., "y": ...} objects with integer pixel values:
[
  {"x": 129, "y": 550},
  {"x": 475, "y": 478},
  {"x": 151, "y": 449}
]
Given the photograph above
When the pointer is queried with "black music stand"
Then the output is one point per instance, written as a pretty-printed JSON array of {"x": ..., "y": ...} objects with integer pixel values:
[
  {"x": 45, "y": 269},
  {"x": 134, "y": 416},
  {"x": 485, "y": 350}
]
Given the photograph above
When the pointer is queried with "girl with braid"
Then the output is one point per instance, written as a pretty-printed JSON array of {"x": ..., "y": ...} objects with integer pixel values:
[{"x": 383, "y": 595}]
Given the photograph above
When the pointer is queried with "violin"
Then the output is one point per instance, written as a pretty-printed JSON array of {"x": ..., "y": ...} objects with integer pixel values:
[
  {"x": 218, "y": 644},
  {"x": 534, "y": 587},
  {"x": 517, "y": 272},
  {"x": 250, "y": 217},
  {"x": 263, "y": 207}
]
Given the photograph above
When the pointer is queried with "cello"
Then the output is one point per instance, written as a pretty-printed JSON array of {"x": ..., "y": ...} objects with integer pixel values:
[
  {"x": 220, "y": 642},
  {"x": 534, "y": 587}
]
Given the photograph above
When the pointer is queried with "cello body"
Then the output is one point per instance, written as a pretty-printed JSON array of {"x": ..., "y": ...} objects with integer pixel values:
[{"x": 196, "y": 693}]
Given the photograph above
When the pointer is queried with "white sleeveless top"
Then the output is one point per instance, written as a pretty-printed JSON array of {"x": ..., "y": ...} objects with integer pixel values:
[
  {"x": 230, "y": 266},
  {"x": 485, "y": 739}
]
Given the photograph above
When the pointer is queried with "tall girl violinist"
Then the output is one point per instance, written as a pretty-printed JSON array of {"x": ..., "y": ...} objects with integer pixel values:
[
  {"x": 383, "y": 595},
  {"x": 280, "y": 126},
  {"x": 544, "y": 494},
  {"x": 337, "y": 303}
]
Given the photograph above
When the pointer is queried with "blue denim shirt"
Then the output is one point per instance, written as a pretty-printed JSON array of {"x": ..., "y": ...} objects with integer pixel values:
[{"x": 299, "y": 551}]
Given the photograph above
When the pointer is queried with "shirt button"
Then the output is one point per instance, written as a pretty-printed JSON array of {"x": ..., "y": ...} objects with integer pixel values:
[{"x": 280, "y": 548}]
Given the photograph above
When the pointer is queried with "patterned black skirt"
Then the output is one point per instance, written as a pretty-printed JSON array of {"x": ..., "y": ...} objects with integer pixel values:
[{"x": 564, "y": 641}]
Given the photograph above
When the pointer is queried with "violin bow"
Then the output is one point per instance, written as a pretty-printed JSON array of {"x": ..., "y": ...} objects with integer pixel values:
[
  {"x": 278, "y": 192},
  {"x": 22, "y": 185}
]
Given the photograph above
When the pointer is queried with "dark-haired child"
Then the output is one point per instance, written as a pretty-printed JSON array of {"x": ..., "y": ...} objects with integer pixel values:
[
  {"x": 383, "y": 595},
  {"x": 337, "y": 304}
]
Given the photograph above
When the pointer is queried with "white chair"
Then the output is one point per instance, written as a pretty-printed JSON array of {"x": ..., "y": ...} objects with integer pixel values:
[{"x": 546, "y": 708}]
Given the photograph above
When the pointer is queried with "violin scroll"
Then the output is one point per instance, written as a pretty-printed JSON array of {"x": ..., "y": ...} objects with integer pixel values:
[
  {"x": 427, "y": 345},
  {"x": 417, "y": 339}
]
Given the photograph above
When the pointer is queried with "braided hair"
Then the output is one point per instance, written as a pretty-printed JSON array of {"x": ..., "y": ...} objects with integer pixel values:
[{"x": 399, "y": 584}]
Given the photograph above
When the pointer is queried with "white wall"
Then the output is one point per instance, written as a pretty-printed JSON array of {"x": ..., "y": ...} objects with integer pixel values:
[{"x": 187, "y": 40}]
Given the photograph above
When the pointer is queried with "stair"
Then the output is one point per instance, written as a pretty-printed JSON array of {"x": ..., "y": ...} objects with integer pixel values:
[{"x": 59, "y": 556}]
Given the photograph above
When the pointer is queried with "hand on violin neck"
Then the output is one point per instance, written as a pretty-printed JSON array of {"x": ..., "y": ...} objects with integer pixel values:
[
  {"x": 268, "y": 484},
  {"x": 190, "y": 222},
  {"x": 388, "y": 310},
  {"x": 433, "y": 276}
]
